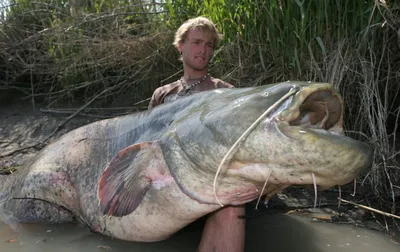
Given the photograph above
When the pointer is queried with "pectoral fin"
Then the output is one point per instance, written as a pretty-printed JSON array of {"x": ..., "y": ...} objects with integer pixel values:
[{"x": 127, "y": 178}]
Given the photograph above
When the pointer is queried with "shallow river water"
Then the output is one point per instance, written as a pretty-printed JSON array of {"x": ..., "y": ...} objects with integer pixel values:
[{"x": 277, "y": 232}]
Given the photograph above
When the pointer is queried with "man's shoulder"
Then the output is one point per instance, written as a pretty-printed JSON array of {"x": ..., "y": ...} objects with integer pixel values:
[
  {"x": 161, "y": 92},
  {"x": 222, "y": 84},
  {"x": 167, "y": 87}
]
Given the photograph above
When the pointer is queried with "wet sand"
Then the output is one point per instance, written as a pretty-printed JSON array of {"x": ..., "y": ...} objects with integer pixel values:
[{"x": 278, "y": 232}]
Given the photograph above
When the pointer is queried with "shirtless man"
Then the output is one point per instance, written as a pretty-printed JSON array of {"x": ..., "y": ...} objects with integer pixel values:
[{"x": 196, "y": 40}]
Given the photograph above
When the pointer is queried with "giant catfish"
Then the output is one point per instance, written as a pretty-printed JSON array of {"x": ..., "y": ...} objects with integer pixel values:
[{"x": 144, "y": 176}]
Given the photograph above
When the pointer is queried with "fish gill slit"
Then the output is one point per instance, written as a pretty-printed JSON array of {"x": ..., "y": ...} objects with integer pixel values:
[
  {"x": 340, "y": 196},
  {"x": 228, "y": 156},
  {"x": 265, "y": 184}
]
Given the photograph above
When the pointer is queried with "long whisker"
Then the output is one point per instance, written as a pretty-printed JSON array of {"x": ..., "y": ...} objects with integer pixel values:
[
  {"x": 355, "y": 188},
  {"x": 315, "y": 190},
  {"x": 233, "y": 149},
  {"x": 265, "y": 184}
]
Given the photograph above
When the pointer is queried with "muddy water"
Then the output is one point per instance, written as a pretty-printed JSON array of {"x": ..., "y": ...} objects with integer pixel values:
[{"x": 278, "y": 232}]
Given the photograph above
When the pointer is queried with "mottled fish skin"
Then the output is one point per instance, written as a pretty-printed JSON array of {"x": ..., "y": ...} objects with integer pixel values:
[{"x": 144, "y": 176}]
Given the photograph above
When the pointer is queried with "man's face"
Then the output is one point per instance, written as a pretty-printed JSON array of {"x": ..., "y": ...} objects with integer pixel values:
[{"x": 197, "y": 50}]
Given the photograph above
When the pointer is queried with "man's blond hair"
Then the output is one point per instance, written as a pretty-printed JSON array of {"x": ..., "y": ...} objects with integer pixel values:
[{"x": 203, "y": 24}]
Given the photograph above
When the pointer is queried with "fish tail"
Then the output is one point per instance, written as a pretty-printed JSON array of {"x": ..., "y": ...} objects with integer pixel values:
[
  {"x": 2, "y": 182},
  {"x": 6, "y": 216}
]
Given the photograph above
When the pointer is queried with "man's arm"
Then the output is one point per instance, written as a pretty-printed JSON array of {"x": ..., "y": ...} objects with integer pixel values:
[{"x": 224, "y": 231}]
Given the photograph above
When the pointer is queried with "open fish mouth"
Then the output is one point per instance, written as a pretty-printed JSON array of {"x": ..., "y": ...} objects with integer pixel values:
[{"x": 317, "y": 107}]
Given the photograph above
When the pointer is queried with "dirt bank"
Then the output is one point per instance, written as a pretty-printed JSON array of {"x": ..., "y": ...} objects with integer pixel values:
[{"x": 23, "y": 130}]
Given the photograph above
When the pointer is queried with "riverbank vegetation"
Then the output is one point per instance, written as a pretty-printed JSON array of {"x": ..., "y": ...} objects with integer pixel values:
[{"x": 115, "y": 53}]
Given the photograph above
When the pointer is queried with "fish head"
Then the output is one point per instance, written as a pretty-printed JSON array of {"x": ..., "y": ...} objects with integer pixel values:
[
  {"x": 295, "y": 131},
  {"x": 288, "y": 133}
]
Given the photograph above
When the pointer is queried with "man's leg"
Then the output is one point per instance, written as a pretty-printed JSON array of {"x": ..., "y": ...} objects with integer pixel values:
[{"x": 224, "y": 231}]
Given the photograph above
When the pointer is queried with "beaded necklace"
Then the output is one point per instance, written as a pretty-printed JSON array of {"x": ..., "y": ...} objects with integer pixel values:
[{"x": 188, "y": 88}]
